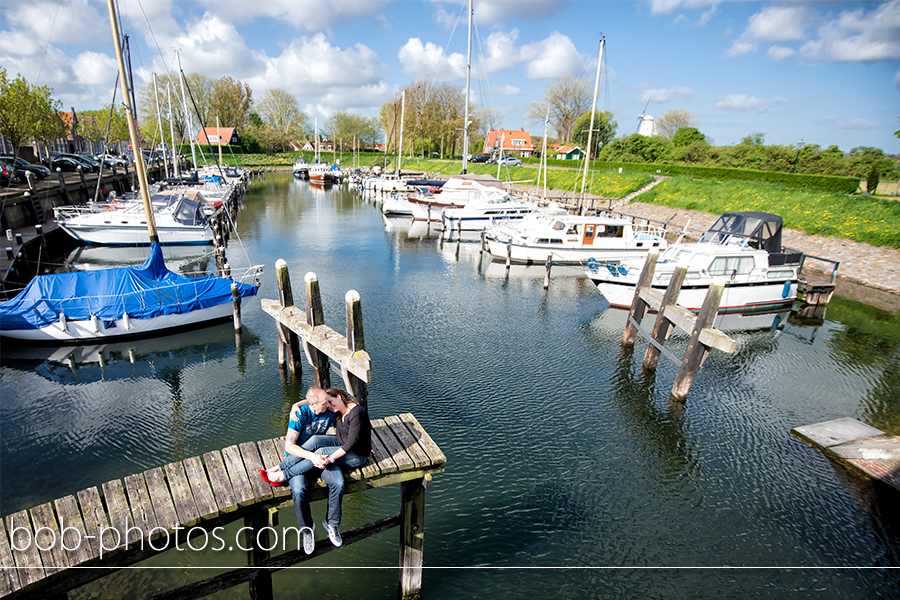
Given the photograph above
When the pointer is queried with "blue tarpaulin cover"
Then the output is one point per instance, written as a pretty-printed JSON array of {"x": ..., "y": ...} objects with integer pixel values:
[{"x": 149, "y": 290}]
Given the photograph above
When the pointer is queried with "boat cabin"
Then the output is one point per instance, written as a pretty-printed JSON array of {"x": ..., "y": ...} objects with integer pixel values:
[{"x": 757, "y": 230}]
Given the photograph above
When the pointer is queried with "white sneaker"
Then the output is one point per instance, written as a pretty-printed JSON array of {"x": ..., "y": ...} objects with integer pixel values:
[
  {"x": 309, "y": 540},
  {"x": 333, "y": 534}
]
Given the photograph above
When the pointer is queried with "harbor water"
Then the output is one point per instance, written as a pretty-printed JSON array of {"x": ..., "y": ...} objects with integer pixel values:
[{"x": 569, "y": 472}]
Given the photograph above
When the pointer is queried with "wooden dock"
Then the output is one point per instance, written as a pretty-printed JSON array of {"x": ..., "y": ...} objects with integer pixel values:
[
  {"x": 128, "y": 520},
  {"x": 860, "y": 447}
]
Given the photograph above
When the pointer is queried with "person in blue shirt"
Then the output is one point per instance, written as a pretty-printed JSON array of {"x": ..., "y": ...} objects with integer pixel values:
[{"x": 308, "y": 421}]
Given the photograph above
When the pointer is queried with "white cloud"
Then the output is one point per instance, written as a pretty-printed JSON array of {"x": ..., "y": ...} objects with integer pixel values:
[
  {"x": 215, "y": 48},
  {"x": 778, "y": 24},
  {"x": 428, "y": 61},
  {"x": 77, "y": 21},
  {"x": 501, "y": 53},
  {"x": 851, "y": 124},
  {"x": 304, "y": 15},
  {"x": 666, "y": 6},
  {"x": 745, "y": 103},
  {"x": 553, "y": 57},
  {"x": 777, "y": 53},
  {"x": 507, "y": 90},
  {"x": 739, "y": 47},
  {"x": 94, "y": 68},
  {"x": 857, "y": 36},
  {"x": 662, "y": 95}
]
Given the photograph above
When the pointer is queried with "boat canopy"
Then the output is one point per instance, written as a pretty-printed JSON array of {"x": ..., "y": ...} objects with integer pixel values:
[
  {"x": 189, "y": 212},
  {"x": 757, "y": 229},
  {"x": 150, "y": 290}
]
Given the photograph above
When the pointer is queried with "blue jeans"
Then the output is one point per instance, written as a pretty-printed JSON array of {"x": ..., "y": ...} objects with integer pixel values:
[{"x": 300, "y": 474}]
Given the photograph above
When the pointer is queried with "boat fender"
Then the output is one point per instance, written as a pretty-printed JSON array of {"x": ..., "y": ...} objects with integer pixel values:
[
  {"x": 786, "y": 291},
  {"x": 592, "y": 264},
  {"x": 62, "y": 322},
  {"x": 127, "y": 320},
  {"x": 623, "y": 270},
  {"x": 96, "y": 323},
  {"x": 612, "y": 270}
]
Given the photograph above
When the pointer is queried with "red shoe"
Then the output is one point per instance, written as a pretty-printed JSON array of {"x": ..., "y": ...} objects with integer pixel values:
[{"x": 262, "y": 473}]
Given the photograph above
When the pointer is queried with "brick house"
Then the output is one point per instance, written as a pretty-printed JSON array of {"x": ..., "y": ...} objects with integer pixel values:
[
  {"x": 516, "y": 142},
  {"x": 218, "y": 136}
]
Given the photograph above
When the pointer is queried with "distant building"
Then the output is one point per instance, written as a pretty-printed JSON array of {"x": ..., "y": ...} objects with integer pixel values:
[
  {"x": 218, "y": 136},
  {"x": 569, "y": 153},
  {"x": 324, "y": 146},
  {"x": 514, "y": 142},
  {"x": 647, "y": 126}
]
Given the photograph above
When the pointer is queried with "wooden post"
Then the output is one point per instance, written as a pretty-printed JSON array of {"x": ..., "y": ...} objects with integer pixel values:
[
  {"x": 62, "y": 185},
  {"x": 236, "y": 304},
  {"x": 257, "y": 533},
  {"x": 638, "y": 305},
  {"x": 288, "y": 342},
  {"x": 412, "y": 537},
  {"x": 315, "y": 316},
  {"x": 662, "y": 325},
  {"x": 481, "y": 250},
  {"x": 547, "y": 274},
  {"x": 508, "y": 254},
  {"x": 356, "y": 342},
  {"x": 696, "y": 352}
]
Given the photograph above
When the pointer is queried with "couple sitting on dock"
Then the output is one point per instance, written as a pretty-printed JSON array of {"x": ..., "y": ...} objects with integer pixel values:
[{"x": 310, "y": 452}]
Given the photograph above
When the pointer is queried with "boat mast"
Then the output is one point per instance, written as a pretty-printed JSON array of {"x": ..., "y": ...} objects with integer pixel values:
[
  {"x": 132, "y": 129},
  {"x": 587, "y": 155},
  {"x": 402, "y": 113},
  {"x": 188, "y": 121},
  {"x": 162, "y": 133},
  {"x": 172, "y": 129},
  {"x": 544, "y": 154},
  {"x": 465, "y": 151}
]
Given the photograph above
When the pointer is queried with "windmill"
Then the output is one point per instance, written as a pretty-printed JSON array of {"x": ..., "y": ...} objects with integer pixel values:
[{"x": 646, "y": 124}]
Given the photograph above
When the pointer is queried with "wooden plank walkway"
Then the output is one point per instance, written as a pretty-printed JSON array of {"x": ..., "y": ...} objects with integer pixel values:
[
  {"x": 128, "y": 520},
  {"x": 862, "y": 448}
]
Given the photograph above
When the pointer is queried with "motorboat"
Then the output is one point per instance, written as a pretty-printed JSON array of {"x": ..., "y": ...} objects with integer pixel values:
[
  {"x": 490, "y": 209},
  {"x": 572, "y": 239},
  {"x": 744, "y": 248},
  {"x": 457, "y": 192},
  {"x": 183, "y": 219},
  {"x": 301, "y": 169},
  {"x": 320, "y": 174}
]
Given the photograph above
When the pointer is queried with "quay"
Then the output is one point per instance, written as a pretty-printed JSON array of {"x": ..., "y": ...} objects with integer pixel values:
[{"x": 862, "y": 448}]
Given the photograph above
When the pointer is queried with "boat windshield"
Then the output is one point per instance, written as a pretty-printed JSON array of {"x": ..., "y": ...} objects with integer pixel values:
[
  {"x": 558, "y": 225},
  {"x": 755, "y": 229}
]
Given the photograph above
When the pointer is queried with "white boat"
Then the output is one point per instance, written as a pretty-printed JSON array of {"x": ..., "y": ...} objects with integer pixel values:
[
  {"x": 572, "y": 239},
  {"x": 397, "y": 205},
  {"x": 492, "y": 209},
  {"x": 743, "y": 247},
  {"x": 320, "y": 174},
  {"x": 113, "y": 304},
  {"x": 182, "y": 221},
  {"x": 301, "y": 169},
  {"x": 458, "y": 192}
]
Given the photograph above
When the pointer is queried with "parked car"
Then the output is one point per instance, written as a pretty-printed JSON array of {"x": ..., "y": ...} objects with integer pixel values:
[
  {"x": 480, "y": 158},
  {"x": 22, "y": 166},
  {"x": 67, "y": 163},
  {"x": 88, "y": 165},
  {"x": 509, "y": 161},
  {"x": 112, "y": 159},
  {"x": 6, "y": 175}
]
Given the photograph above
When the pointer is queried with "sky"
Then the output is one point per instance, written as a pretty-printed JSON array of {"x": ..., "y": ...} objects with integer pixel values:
[{"x": 821, "y": 73}]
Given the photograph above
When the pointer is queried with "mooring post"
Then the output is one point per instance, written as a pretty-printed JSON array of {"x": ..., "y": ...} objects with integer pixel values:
[
  {"x": 508, "y": 254},
  {"x": 663, "y": 325},
  {"x": 236, "y": 304},
  {"x": 288, "y": 342},
  {"x": 356, "y": 342},
  {"x": 412, "y": 537},
  {"x": 638, "y": 305},
  {"x": 481, "y": 249},
  {"x": 315, "y": 317},
  {"x": 696, "y": 352},
  {"x": 257, "y": 533},
  {"x": 62, "y": 185},
  {"x": 547, "y": 274}
]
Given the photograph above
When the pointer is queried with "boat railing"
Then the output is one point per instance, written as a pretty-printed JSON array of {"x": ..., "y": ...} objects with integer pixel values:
[{"x": 649, "y": 229}]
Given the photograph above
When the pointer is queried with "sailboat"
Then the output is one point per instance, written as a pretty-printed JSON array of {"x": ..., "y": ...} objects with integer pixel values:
[{"x": 127, "y": 302}]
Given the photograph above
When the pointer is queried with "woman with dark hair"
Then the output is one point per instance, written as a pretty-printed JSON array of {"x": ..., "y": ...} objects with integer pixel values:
[{"x": 349, "y": 449}]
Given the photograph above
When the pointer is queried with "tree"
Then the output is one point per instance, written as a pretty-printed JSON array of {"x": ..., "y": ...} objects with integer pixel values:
[
  {"x": 566, "y": 99},
  {"x": 279, "y": 111},
  {"x": 754, "y": 139},
  {"x": 230, "y": 102},
  {"x": 604, "y": 130},
  {"x": 347, "y": 128},
  {"x": 685, "y": 136},
  {"x": 872, "y": 178},
  {"x": 28, "y": 112},
  {"x": 197, "y": 92},
  {"x": 674, "y": 119}
]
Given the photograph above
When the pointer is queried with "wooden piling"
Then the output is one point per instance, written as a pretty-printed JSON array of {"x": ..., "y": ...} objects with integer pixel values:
[
  {"x": 547, "y": 274},
  {"x": 508, "y": 254},
  {"x": 315, "y": 316},
  {"x": 697, "y": 351},
  {"x": 288, "y": 342},
  {"x": 663, "y": 324},
  {"x": 236, "y": 304},
  {"x": 356, "y": 342},
  {"x": 258, "y": 528},
  {"x": 412, "y": 537},
  {"x": 639, "y": 305}
]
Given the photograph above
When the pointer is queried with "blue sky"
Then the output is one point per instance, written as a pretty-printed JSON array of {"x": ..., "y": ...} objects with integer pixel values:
[{"x": 822, "y": 72}]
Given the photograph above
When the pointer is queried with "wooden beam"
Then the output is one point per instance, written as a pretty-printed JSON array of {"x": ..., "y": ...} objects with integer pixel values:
[
  {"x": 639, "y": 305},
  {"x": 661, "y": 326},
  {"x": 412, "y": 537}
]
